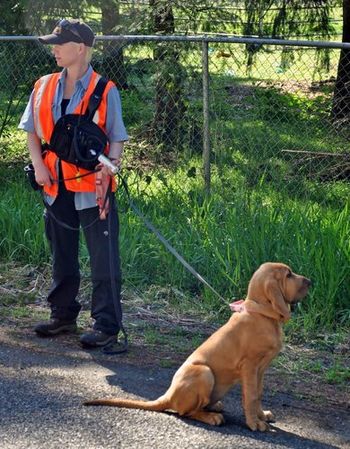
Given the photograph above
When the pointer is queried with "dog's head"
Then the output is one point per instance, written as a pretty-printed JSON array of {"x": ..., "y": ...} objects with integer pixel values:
[{"x": 276, "y": 284}]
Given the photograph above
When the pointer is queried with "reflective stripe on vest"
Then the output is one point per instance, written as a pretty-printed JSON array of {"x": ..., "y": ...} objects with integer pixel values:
[{"x": 44, "y": 93}]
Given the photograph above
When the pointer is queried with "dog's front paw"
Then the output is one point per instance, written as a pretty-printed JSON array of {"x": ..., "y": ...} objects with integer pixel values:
[
  {"x": 257, "y": 425},
  {"x": 266, "y": 415}
]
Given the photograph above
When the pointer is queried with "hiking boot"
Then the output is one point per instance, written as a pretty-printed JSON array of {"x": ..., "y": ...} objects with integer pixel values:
[
  {"x": 95, "y": 338},
  {"x": 55, "y": 326}
]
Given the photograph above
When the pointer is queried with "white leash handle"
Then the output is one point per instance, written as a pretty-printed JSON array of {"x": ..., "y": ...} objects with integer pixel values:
[{"x": 106, "y": 161}]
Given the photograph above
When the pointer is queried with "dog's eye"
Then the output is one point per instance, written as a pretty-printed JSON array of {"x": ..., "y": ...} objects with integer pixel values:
[{"x": 289, "y": 274}]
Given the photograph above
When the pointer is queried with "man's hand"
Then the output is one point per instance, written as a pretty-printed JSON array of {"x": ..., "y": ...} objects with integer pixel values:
[
  {"x": 108, "y": 167},
  {"x": 115, "y": 154},
  {"x": 42, "y": 174}
]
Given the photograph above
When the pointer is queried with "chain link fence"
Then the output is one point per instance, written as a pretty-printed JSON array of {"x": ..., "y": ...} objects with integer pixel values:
[{"x": 268, "y": 117}]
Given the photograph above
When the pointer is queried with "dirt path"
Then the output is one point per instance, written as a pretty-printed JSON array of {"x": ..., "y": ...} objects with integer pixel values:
[{"x": 44, "y": 381}]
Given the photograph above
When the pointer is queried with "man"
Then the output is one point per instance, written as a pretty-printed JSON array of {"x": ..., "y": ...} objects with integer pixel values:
[{"x": 70, "y": 192}]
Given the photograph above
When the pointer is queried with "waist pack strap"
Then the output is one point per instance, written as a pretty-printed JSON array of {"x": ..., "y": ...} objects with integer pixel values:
[{"x": 95, "y": 98}]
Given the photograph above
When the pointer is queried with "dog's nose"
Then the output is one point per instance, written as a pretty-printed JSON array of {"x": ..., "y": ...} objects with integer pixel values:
[{"x": 308, "y": 282}]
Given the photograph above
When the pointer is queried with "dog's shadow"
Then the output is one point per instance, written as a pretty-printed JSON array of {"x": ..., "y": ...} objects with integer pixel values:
[
  {"x": 275, "y": 436},
  {"x": 150, "y": 383}
]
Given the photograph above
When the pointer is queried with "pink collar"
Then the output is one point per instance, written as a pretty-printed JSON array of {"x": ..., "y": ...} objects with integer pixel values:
[
  {"x": 251, "y": 306},
  {"x": 238, "y": 306}
]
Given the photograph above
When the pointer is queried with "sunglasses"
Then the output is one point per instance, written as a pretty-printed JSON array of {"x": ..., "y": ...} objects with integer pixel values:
[{"x": 65, "y": 25}]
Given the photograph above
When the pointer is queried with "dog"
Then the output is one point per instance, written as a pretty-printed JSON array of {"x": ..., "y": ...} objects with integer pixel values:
[{"x": 239, "y": 351}]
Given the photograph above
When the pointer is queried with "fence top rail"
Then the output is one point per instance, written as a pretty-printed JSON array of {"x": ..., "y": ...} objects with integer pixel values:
[{"x": 203, "y": 38}]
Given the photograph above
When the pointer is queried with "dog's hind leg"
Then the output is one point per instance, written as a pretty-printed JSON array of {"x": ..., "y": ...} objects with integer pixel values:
[
  {"x": 191, "y": 391},
  {"x": 212, "y": 418},
  {"x": 216, "y": 407}
]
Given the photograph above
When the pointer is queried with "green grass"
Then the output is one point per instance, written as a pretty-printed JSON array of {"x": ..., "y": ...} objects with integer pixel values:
[
  {"x": 225, "y": 239},
  {"x": 338, "y": 374},
  {"x": 321, "y": 364}
]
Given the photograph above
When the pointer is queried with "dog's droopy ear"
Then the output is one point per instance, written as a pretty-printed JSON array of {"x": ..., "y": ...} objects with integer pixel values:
[{"x": 274, "y": 294}]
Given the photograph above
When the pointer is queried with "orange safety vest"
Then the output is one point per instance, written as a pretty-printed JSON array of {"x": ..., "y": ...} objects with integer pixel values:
[{"x": 44, "y": 92}]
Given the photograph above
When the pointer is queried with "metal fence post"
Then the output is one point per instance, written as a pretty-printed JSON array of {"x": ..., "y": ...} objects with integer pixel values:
[{"x": 206, "y": 134}]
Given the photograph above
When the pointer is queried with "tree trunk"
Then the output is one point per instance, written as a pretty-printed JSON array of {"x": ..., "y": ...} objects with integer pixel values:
[
  {"x": 113, "y": 58},
  {"x": 341, "y": 99},
  {"x": 166, "y": 128}
]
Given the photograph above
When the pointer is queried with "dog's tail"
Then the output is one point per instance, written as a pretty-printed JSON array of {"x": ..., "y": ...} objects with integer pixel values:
[{"x": 159, "y": 405}]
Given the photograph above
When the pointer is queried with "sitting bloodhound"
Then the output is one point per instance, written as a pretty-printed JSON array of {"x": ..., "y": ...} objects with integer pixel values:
[{"x": 240, "y": 351}]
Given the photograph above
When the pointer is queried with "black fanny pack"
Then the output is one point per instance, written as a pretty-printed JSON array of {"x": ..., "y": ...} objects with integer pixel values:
[{"x": 76, "y": 138}]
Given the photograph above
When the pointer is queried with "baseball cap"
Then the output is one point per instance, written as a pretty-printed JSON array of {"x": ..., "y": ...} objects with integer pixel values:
[{"x": 70, "y": 30}]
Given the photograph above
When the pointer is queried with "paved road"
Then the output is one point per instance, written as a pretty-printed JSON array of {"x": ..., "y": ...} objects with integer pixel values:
[{"x": 42, "y": 389}]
